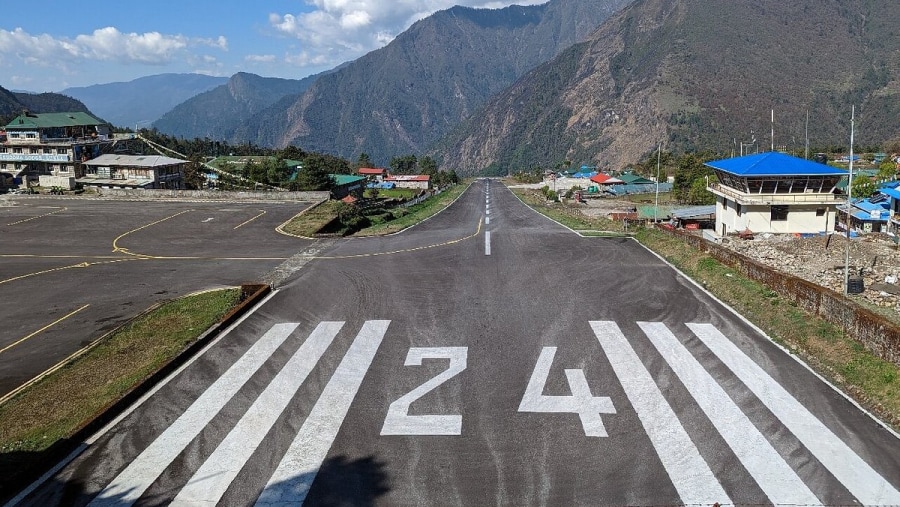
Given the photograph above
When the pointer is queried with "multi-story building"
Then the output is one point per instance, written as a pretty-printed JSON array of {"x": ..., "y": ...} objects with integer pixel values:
[
  {"x": 51, "y": 146},
  {"x": 775, "y": 193}
]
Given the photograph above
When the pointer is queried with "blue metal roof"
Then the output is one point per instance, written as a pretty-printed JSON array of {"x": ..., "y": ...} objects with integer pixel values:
[
  {"x": 773, "y": 164},
  {"x": 893, "y": 192}
]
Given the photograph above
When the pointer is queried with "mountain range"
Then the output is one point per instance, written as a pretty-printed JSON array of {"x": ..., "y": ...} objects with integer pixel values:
[
  {"x": 140, "y": 102},
  {"x": 13, "y": 104},
  {"x": 698, "y": 75},
  {"x": 597, "y": 82}
]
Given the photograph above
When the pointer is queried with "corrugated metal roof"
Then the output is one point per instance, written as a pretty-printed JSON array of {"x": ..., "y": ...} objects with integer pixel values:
[
  {"x": 694, "y": 211},
  {"x": 773, "y": 164},
  {"x": 409, "y": 177},
  {"x": 346, "y": 179},
  {"x": 134, "y": 161},
  {"x": 49, "y": 120}
]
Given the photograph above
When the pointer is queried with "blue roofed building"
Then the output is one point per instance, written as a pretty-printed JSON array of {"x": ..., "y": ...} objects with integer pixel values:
[
  {"x": 775, "y": 193},
  {"x": 893, "y": 193}
]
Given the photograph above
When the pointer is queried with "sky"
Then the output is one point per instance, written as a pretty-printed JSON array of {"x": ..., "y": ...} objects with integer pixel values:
[{"x": 54, "y": 45}]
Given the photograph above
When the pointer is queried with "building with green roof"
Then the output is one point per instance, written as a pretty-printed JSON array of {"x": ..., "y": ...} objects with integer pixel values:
[{"x": 50, "y": 147}]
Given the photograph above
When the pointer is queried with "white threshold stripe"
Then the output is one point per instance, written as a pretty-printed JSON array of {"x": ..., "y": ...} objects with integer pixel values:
[
  {"x": 769, "y": 469},
  {"x": 856, "y": 475},
  {"x": 689, "y": 472},
  {"x": 294, "y": 475},
  {"x": 212, "y": 479},
  {"x": 487, "y": 242},
  {"x": 131, "y": 483}
]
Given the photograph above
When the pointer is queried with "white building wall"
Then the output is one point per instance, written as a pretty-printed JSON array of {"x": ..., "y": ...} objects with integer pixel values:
[{"x": 801, "y": 219}]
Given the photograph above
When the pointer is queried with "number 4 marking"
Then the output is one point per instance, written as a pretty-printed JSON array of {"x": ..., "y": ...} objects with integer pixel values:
[
  {"x": 398, "y": 420},
  {"x": 580, "y": 402}
]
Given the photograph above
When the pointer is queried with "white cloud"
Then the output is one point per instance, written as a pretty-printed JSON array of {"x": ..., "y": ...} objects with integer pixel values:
[
  {"x": 105, "y": 44},
  {"x": 336, "y": 31},
  {"x": 261, "y": 58}
]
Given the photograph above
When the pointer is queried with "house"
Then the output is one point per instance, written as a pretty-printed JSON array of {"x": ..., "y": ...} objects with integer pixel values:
[
  {"x": 605, "y": 179},
  {"x": 347, "y": 184},
  {"x": 419, "y": 181},
  {"x": 866, "y": 215},
  {"x": 775, "y": 193},
  {"x": 893, "y": 193},
  {"x": 373, "y": 174},
  {"x": 133, "y": 171},
  {"x": 634, "y": 179},
  {"x": 51, "y": 148}
]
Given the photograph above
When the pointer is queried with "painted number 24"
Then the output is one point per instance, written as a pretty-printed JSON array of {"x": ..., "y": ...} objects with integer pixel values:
[{"x": 588, "y": 407}]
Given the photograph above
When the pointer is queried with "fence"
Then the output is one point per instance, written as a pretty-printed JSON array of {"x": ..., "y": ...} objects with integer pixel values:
[{"x": 878, "y": 334}]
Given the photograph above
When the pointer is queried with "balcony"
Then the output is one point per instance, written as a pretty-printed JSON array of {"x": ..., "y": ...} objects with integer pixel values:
[{"x": 778, "y": 199}]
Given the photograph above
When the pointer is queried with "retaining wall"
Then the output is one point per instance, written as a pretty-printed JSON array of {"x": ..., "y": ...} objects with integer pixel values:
[{"x": 878, "y": 334}]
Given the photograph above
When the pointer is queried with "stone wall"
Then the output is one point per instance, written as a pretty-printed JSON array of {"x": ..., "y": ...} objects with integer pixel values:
[
  {"x": 878, "y": 334},
  {"x": 140, "y": 193}
]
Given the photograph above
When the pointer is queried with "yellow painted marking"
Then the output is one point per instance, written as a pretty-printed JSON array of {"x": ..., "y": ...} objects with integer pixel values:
[
  {"x": 41, "y": 330},
  {"x": 415, "y": 249},
  {"x": 61, "y": 268},
  {"x": 39, "y": 216},
  {"x": 117, "y": 248},
  {"x": 262, "y": 212}
]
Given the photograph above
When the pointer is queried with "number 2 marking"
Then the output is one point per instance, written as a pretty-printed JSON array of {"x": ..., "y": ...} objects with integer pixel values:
[
  {"x": 580, "y": 402},
  {"x": 398, "y": 420}
]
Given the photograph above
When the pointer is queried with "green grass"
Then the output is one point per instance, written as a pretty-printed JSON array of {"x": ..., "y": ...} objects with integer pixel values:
[
  {"x": 394, "y": 193},
  {"x": 60, "y": 404},
  {"x": 414, "y": 214},
  {"x": 310, "y": 221}
]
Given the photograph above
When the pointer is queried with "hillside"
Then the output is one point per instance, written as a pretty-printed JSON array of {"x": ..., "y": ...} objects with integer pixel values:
[
  {"x": 13, "y": 103},
  {"x": 144, "y": 100},
  {"x": 399, "y": 99},
  {"x": 223, "y": 111},
  {"x": 696, "y": 74}
]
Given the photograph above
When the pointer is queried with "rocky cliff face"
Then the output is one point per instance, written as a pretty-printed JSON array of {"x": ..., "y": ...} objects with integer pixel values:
[{"x": 695, "y": 75}]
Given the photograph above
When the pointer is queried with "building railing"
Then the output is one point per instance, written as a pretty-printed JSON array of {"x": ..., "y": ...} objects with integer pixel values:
[{"x": 744, "y": 198}]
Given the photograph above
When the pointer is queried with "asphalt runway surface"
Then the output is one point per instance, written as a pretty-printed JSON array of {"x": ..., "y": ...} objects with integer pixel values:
[
  {"x": 73, "y": 269},
  {"x": 487, "y": 356}
]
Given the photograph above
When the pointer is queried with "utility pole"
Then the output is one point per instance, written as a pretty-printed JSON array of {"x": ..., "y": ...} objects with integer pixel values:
[
  {"x": 849, "y": 197},
  {"x": 656, "y": 208}
]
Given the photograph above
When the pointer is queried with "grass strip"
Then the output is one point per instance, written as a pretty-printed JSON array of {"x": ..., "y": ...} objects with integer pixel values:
[
  {"x": 310, "y": 221},
  {"x": 57, "y": 406},
  {"x": 414, "y": 214},
  {"x": 872, "y": 381}
]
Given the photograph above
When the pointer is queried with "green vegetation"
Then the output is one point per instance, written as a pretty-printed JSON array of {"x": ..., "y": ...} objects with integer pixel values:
[
  {"x": 414, "y": 214},
  {"x": 60, "y": 404},
  {"x": 872, "y": 381},
  {"x": 336, "y": 217},
  {"x": 837, "y": 356}
]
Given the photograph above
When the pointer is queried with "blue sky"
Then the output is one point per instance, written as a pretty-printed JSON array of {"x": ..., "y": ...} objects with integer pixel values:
[{"x": 55, "y": 45}]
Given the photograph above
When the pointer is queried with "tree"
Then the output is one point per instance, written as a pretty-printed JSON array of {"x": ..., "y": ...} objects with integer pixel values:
[
  {"x": 293, "y": 153},
  {"x": 193, "y": 174},
  {"x": 315, "y": 174},
  {"x": 863, "y": 187},
  {"x": 363, "y": 161},
  {"x": 428, "y": 166},
  {"x": 887, "y": 170},
  {"x": 405, "y": 165}
]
